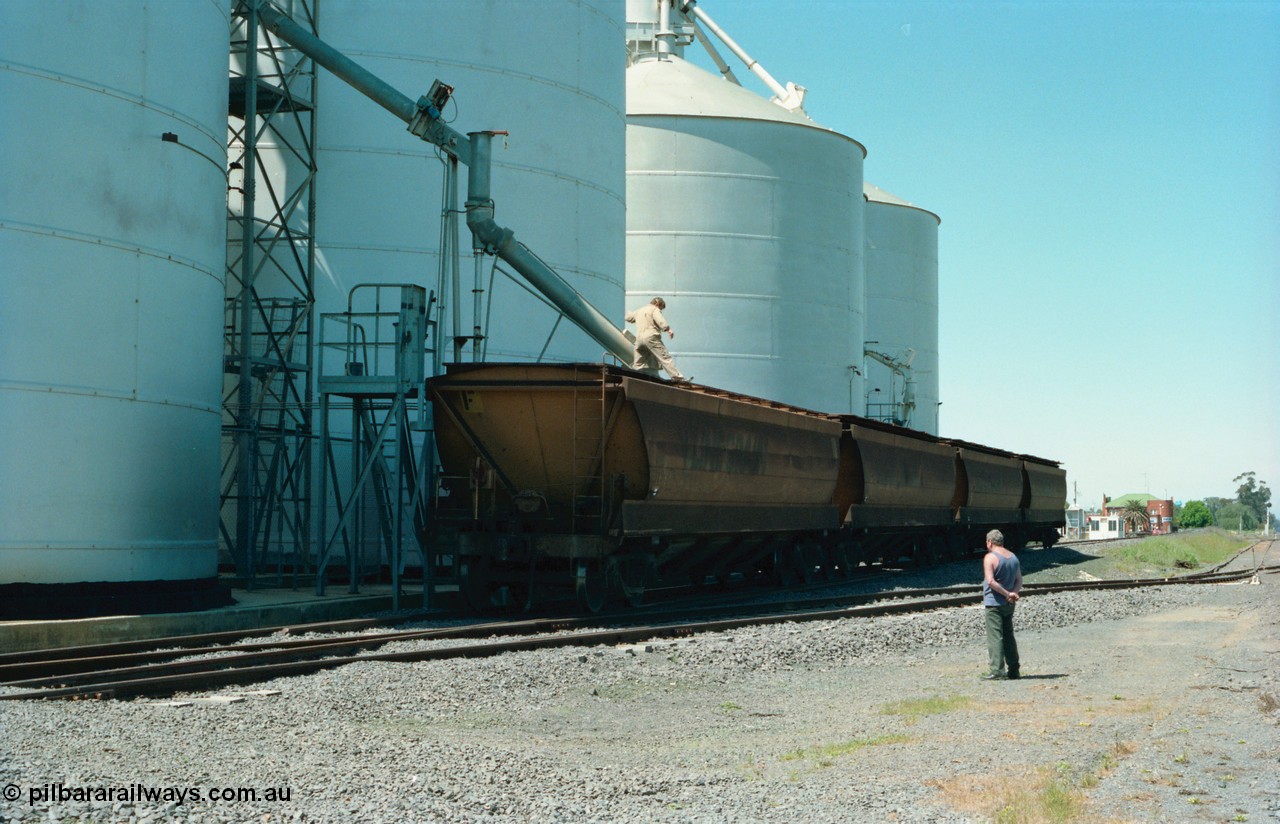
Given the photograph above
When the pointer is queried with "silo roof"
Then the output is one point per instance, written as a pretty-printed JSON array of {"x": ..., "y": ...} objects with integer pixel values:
[
  {"x": 675, "y": 87},
  {"x": 874, "y": 194}
]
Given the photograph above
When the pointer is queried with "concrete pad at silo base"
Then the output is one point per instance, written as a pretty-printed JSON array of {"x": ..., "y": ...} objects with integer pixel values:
[{"x": 260, "y": 607}]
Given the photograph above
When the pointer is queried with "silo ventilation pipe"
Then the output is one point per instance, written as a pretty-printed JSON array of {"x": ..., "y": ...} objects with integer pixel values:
[{"x": 664, "y": 34}]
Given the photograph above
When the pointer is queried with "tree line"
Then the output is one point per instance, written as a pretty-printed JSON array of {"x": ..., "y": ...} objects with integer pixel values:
[{"x": 1248, "y": 510}]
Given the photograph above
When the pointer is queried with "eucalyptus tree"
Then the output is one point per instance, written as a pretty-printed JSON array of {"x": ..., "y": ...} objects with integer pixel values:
[{"x": 1253, "y": 494}]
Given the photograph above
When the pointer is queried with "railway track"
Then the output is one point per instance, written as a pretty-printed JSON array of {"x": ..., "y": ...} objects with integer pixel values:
[
  {"x": 95, "y": 673},
  {"x": 121, "y": 654}
]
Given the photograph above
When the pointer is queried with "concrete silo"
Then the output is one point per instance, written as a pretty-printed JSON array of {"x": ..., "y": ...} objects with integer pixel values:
[
  {"x": 112, "y": 237},
  {"x": 748, "y": 219},
  {"x": 902, "y": 305}
]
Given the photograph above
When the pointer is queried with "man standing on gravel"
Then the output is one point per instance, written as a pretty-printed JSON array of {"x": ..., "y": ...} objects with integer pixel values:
[{"x": 1001, "y": 583}]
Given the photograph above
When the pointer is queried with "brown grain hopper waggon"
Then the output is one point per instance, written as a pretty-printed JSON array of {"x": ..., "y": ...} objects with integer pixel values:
[{"x": 602, "y": 481}]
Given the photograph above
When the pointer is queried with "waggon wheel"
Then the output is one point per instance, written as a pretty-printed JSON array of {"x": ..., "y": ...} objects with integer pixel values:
[
  {"x": 473, "y": 579},
  {"x": 835, "y": 567},
  {"x": 786, "y": 566},
  {"x": 804, "y": 561},
  {"x": 922, "y": 553},
  {"x": 628, "y": 577},
  {"x": 848, "y": 554},
  {"x": 590, "y": 586},
  {"x": 934, "y": 550},
  {"x": 812, "y": 562},
  {"x": 853, "y": 555}
]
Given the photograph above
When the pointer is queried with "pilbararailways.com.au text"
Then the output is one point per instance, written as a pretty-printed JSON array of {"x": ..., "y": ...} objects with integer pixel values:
[{"x": 143, "y": 794}]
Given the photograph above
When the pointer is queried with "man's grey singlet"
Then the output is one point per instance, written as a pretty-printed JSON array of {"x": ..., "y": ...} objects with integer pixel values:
[{"x": 1006, "y": 575}]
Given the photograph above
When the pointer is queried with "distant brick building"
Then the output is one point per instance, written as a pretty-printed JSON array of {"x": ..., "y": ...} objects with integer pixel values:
[
  {"x": 1159, "y": 511},
  {"x": 1160, "y": 516}
]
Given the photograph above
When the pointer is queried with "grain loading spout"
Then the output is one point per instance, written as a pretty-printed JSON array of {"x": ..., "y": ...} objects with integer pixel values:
[
  {"x": 473, "y": 150},
  {"x": 900, "y": 366},
  {"x": 789, "y": 97}
]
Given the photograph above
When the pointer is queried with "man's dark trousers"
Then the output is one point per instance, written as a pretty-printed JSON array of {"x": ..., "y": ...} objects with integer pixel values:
[{"x": 1002, "y": 649}]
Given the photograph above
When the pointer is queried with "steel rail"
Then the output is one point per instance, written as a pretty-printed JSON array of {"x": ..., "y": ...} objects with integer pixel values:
[
  {"x": 130, "y": 687},
  {"x": 66, "y": 670},
  {"x": 144, "y": 681},
  {"x": 19, "y": 667},
  {"x": 15, "y": 665},
  {"x": 207, "y": 638},
  {"x": 41, "y": 668},
  {"x": 74, "y": 668}
]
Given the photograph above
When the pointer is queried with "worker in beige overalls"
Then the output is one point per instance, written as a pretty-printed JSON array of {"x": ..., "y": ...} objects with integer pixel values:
[{"x": 651, "y": 352}]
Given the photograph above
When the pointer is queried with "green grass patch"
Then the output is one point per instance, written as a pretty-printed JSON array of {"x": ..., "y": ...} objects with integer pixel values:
[
  {"x": 1182, "y": 551},
  {"x": 1053, "y": 794},
  {"x": 826, "y": 754},
  {"x": 913, "y": 709},
  {"x": 1054, "y": 798}
]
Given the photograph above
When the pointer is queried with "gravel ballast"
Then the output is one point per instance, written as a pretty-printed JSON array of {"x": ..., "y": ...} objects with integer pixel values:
[{"x": 1137, "y": 705}]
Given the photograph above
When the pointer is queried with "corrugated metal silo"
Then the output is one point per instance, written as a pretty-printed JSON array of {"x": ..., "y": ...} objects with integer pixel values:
[
  {"x": 550, "y": 73},
  {"x": 902, "y": 300},
  {"x": 111, "y": 292},
  {"x": 747, "y": 218}
]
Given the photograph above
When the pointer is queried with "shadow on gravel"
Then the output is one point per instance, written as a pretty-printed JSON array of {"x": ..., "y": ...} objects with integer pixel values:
[
  {"x": 1038, "y": 560},
  {"x": 969, "y": 570},
  {"x": 1046, "y": 677}
]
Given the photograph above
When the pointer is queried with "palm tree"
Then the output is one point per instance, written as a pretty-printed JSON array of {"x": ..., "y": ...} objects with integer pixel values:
[{"x": 1134, "y": 516}]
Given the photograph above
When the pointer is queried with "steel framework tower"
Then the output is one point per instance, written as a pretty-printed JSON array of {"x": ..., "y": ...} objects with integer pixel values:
[{"x": 267, "y": 410}]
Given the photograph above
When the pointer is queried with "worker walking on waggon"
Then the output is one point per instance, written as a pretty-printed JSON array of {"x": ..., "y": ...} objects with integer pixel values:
[{"x": 651, "y": 352}]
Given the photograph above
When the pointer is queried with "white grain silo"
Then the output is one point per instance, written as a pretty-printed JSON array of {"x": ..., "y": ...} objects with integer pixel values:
[
  {"x": 550, "y": 74},
  {"x": 747, "y": 218},
  {"x": 112, "y": 233},
  {"x": 902, "y": 303}
]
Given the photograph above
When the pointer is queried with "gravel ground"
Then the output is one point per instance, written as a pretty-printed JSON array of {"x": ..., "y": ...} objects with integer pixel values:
[{"x": 1147, "y": 705}]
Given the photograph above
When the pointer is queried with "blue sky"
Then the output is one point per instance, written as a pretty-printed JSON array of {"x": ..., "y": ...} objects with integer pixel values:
[{"x": 1108, "y": 178}]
